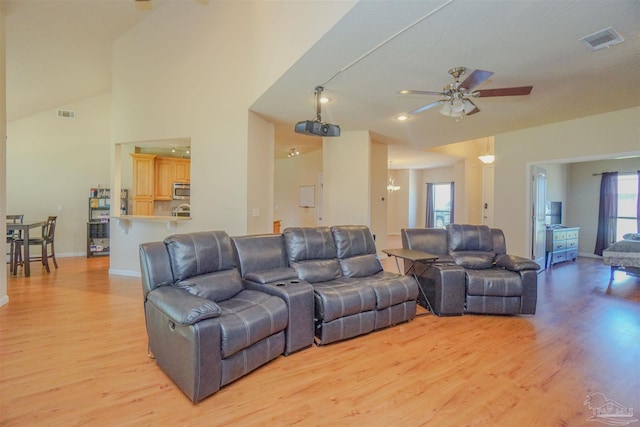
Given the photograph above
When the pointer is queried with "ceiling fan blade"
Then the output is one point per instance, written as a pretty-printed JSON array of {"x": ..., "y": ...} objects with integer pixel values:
[
  {"x": 426, "y": 107},
  {"x": 505, "y": 91},
  {"x": 475, "y": 78},
  {"x": 419, "y": 92},
  {"x": 475, "y": 108}
]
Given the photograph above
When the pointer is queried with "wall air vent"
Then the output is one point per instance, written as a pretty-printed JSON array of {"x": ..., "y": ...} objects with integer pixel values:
[
  {"x": 66, "y": 114},
  {"x": 603, "y": 38}
]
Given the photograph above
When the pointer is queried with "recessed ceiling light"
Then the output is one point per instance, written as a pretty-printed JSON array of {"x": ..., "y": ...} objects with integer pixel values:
[{"x": 402, "y": 118}]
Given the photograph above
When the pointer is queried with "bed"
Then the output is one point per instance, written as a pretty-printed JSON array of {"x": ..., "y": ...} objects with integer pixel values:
[{"x": 624, "y": 255}]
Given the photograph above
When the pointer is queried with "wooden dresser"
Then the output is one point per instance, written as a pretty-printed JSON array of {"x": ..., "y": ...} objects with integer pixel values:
[{"x": 562, "y": 245}]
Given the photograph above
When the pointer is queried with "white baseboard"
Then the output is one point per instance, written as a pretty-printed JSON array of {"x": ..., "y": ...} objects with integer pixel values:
[
  {"x": 130, "y": 273},
  {"x": 4, "y": 300}
]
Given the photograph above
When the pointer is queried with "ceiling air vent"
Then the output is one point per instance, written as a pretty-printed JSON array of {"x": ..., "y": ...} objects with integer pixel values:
[
  {"x": 66, "y": 114},
  {"x": 603, "y": 38}
]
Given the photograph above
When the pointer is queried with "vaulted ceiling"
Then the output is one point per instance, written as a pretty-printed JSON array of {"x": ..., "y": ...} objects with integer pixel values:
[{"x": 376, "y": 50}]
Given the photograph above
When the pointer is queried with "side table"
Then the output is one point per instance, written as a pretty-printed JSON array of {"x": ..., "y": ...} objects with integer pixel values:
[{"x": 413, "y": 257}]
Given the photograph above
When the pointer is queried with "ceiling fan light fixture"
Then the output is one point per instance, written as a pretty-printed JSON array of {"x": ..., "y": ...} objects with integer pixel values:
[
  {"x": 446, "y": 109},
  {"x": 457, "y": 107}
]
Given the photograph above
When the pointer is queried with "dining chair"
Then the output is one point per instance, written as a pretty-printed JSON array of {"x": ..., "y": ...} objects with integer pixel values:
[
  {"x": 47, "y": 239},
  {"x": 12, "y": 235}
]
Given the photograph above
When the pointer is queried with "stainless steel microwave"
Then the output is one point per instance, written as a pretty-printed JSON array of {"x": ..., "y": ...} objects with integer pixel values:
[{"x": 181, "y": 190}]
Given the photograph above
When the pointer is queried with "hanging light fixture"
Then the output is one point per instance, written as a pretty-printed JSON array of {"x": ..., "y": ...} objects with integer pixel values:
[
  {"x": 487, "y": 157},
  {"x": 391, "y": 187},
  {"x": 293, "y": 152}
]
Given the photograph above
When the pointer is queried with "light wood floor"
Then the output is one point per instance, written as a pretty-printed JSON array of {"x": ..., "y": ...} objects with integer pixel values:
[{"x": 73, "y": 352}]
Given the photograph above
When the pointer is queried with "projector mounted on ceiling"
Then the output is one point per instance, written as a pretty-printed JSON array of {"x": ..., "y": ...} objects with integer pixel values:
[{"x": 316, "y": 127}]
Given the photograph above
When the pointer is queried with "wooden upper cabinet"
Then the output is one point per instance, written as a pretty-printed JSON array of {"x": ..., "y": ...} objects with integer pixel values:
[
  {"x": 164, "y": 178},
  {"x": 182, "y": 169},
  {"x": 167, "y": 171},
  {"x": 143, "y": 174},
  {"x": 143, "y": 183}
]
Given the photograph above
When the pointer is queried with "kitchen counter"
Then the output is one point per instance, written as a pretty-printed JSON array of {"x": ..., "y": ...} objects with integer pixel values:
[{"x": 126, "y": 221}]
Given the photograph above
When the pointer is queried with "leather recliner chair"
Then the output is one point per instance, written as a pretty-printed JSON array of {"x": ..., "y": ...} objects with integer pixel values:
[
  {"x": 473, "y": 273},
  {"x": 206, "y": 328},
  {"x": 495, "y": 283}
]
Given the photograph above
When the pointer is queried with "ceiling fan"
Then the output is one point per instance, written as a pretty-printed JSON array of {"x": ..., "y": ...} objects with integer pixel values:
[{"x": 456, "y": 96}]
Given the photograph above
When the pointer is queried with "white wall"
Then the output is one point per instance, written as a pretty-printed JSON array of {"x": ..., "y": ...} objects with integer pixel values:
[
  {"x": 260, "y": 175},
  {"x": 291, "y": 173},
  {"x": 346, "y": 170},
  {"x": 588, "y": 138},
  {"x": 399, "y": 202},
  {"x": 193, "y": 71},
  {"x": 52, "y": 164},
  {"x": 378, "y": 194}
]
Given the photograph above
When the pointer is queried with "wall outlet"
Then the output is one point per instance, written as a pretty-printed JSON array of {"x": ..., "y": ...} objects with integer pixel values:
[{"x": 255, "y": 212}]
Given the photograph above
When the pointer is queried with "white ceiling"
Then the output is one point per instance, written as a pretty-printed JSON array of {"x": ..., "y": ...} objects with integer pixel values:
[{"x": 377, "y": 49}]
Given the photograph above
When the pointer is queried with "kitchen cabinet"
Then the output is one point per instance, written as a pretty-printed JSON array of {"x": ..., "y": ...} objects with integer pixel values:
[
  {"x": 562, "y": 244},
  {"x": 167, "y": 171},
  {"x": 164, "y": 171},
  {"x": 182, "y": 169},
  {"x": 143, "y": 183}
]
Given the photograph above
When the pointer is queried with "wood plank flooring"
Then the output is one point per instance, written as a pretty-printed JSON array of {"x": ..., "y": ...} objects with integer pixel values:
[{"x": 74, "y": 353}]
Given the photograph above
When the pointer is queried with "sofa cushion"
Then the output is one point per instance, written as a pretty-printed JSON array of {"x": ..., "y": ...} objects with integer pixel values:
[
  {"x": 321, "y": 270},
  {"x": 494, "y": 282},
  {"x": 306, "y": 243},
  {"x": 429, "y": 240},
  {"x": 338, "y": 298},
  {"x": 259, "y": 252},
  {"x": 199, "y": 253},
  {"x": 217, "y": 286},
  {"x": 360, "y": 266},
  {"x": 474, "y": 259},
  {"x": 353, "y": 240},
  {"x": 390, "y": 288},
  {"x": 248, "y": 318},
  {"x": 465, "y": 237}
]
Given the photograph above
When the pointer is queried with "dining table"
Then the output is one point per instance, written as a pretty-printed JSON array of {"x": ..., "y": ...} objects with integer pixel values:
[{"x": 25, "y": 227}]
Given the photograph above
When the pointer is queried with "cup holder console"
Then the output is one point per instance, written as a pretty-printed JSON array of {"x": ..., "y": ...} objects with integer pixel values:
[{"x": 290, "y": 282}]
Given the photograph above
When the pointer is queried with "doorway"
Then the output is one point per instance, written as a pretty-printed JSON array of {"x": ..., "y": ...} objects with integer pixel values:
[
  {"x": 439, "y": 205},
  {"x": 538, "y": 220}
]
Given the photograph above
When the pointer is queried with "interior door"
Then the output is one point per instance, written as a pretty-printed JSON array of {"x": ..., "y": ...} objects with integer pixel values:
[{"x": 539, "y": 229}]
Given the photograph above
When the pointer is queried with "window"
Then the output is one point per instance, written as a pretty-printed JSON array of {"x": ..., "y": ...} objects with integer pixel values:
[
  {"x": 627, "y": 218},
  {"x": 439, "y": 205}
]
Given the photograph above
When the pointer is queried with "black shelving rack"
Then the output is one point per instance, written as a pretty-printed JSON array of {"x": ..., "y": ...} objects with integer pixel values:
[{"x": 99, "y": 205}]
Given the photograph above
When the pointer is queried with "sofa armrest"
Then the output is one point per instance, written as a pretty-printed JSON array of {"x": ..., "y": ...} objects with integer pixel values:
[
  {"x": 516, "y": 263},
  {"x": 272, "y": 275},
  {"x": 182, "y": 307}
]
